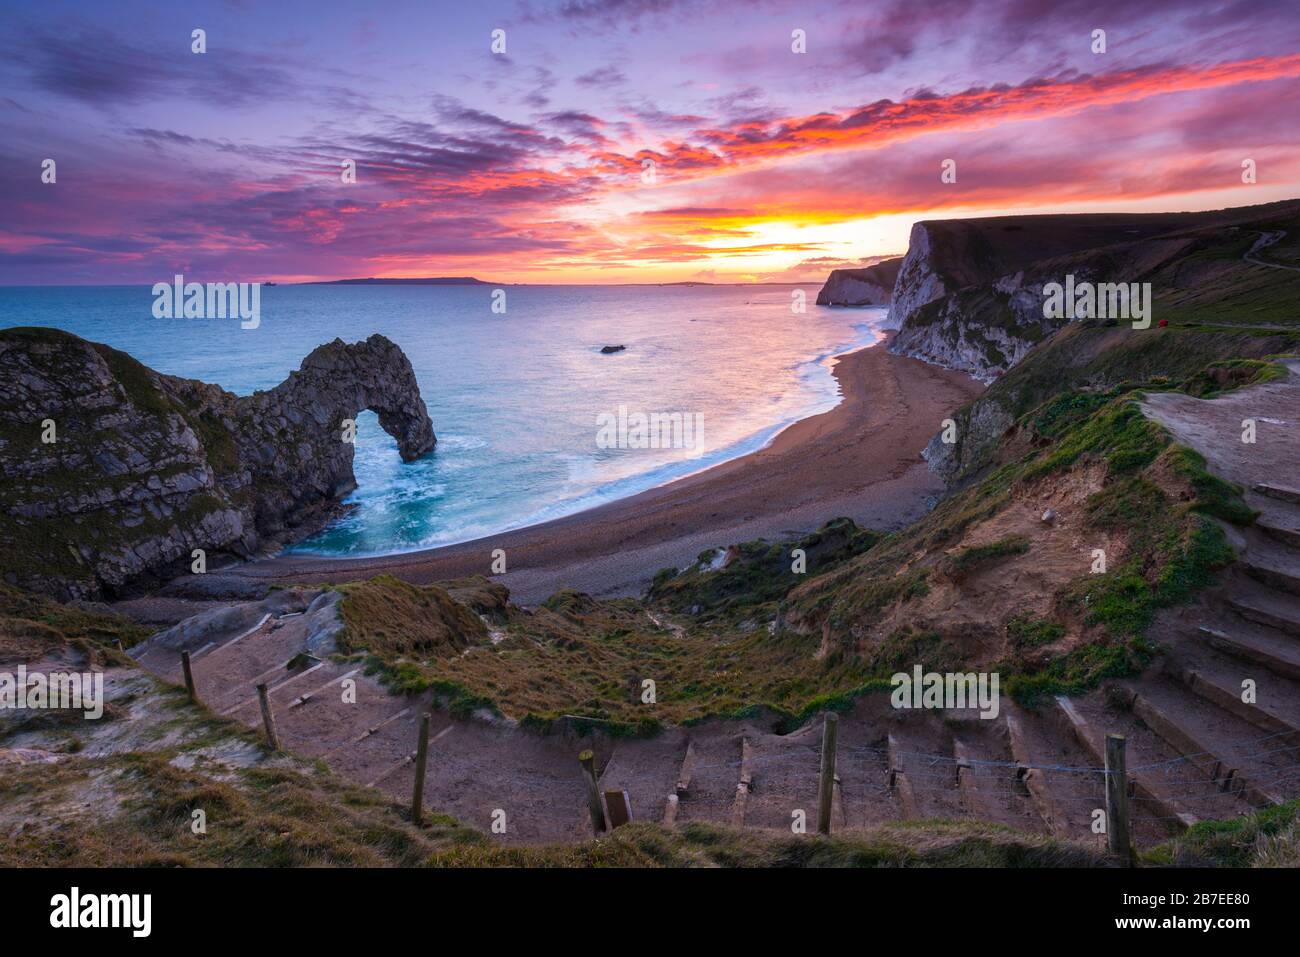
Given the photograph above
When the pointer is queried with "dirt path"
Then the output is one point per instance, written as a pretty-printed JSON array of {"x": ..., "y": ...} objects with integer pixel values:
[
  {"x": 1265, "y": 240},
  {"x": 1034, "y": 770},
  {"x": 1245, "y": 632}
]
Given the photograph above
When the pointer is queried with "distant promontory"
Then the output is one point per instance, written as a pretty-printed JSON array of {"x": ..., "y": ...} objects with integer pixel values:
[
  {"x": 425, "y": 281},
  {"x": 870, "y": 286}
]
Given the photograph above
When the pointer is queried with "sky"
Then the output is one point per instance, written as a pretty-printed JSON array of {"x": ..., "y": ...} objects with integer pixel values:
[{"x": 619, "y": 141}]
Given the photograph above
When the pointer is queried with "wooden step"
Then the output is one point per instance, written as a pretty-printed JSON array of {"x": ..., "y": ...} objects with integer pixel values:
[
  {"x": 1275, "y": 576},
  {"x": 784, "y": 772},
  {"x": 924, "y": 769},
  {"x": 900, "y": 784},
  {"x": 745, "y": 784},
  {"x": 1277, "y": 654},
  {"x": 1093, "y": 739},
  {"x": 1064, "y": 799},
  {"x": 647, "y": 769},
  {"x": 1279, "y": 492},
  {"x": 862, "y": 764},
  {"x": 711, "y": 788},
  {"x": 1274, "y": 610},
  {"x": 1287, "y": 536},
  {"x": 1225, "y": 693},
  {"x": 1212, "y": 742},
  {"x": 990, "y": 790}
]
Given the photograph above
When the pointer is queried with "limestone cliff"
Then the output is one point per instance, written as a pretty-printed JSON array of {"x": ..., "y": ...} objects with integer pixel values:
[
  {"x": 969, "y": 296},
  {"x": 871, "y": 286},
  {"x": 111, "y": 474}
]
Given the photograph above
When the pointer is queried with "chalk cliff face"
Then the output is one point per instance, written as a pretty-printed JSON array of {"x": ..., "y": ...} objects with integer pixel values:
[
  {"x": 871, "y": 286},
  {"x": 969, "y": 296},
  {"x": 111, "y": 474}
]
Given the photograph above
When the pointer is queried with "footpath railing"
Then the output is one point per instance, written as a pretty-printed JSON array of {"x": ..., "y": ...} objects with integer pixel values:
[
  {"x": 1258, "y": 773},
  {"x": 1117, "y": 798}
]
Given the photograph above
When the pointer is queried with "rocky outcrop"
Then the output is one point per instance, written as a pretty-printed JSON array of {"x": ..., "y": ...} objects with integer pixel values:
[
  {"x": 969, "y": 296},
  {"x": 871, "y": 286},
  {"x": 112, "y": 474}
]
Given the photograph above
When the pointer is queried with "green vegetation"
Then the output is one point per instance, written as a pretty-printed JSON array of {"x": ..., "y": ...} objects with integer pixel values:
[
  {"x": 1156, "y": 501},
  {"x": 1227, "y": 374},
  {"x": 32, "y": 625},
  {"x": 1079, "y": 670},
  {"x": 965, "y": 560},
  {"x": 1269, "y": 837},
  {"x": 577, "y": 656},
  {"x": 1214, "y": 496},
  {"x": 388, "y": 618},
  {"x": 1172, "y": 549},
  {"x": 1117, "y": 432},
  {"x": 258, "y": 816},
  {"x": 1085, "y": 365},
  {"x": 756, "y": 573},
  {"x": 1026, "y": 631},
  {"x": 139, "y": 384},
  {"x": 906, "y": 647}
]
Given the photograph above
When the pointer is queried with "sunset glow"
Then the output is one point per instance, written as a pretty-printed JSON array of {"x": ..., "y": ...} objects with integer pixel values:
[{"x": 531, "y": 166}]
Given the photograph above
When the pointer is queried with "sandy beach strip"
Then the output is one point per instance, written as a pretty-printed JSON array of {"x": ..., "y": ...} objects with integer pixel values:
[{"x": 861, "y": 459}]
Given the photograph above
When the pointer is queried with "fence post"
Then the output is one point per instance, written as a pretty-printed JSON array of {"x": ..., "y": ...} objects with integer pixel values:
[
  {"x": 830, "y": 735},
  {"x": 588, "y": 761},
  {"x": 1117, "y": 833},
  {"x": 189, "y": 677},
  {"x": 421, "y": 763},
  {"x": 267, "y": 718}
]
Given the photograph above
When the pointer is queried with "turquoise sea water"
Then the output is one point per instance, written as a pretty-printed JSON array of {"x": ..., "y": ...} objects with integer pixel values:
[{"x": 514, "y": 398}]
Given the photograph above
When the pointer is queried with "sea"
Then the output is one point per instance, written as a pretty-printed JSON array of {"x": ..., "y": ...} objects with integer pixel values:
[{"x": 522, "y": 400}]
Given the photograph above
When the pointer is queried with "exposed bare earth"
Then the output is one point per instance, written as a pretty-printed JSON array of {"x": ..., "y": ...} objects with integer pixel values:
[{"x": 861, "y": 460}]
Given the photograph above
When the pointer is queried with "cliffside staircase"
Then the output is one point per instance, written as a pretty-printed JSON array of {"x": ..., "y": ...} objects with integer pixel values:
[{"x": 1213, "y": 731}]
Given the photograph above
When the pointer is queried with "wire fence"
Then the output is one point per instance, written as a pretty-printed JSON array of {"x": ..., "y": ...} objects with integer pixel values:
[
  {"x": 1164, "y": 796},
  {"x": 884, "y": 780}
]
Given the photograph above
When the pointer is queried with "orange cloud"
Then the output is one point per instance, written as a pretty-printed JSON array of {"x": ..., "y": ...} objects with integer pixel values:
[{"x": 887, "y": 121}]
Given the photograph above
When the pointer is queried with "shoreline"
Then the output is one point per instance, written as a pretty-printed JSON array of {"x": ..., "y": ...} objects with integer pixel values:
[
  {"x": 860, "y": 459},
  {"x": 598, "y": 498}
]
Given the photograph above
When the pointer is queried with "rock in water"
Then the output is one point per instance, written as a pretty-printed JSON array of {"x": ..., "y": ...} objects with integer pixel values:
[{"x": 111, "y": 474}]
